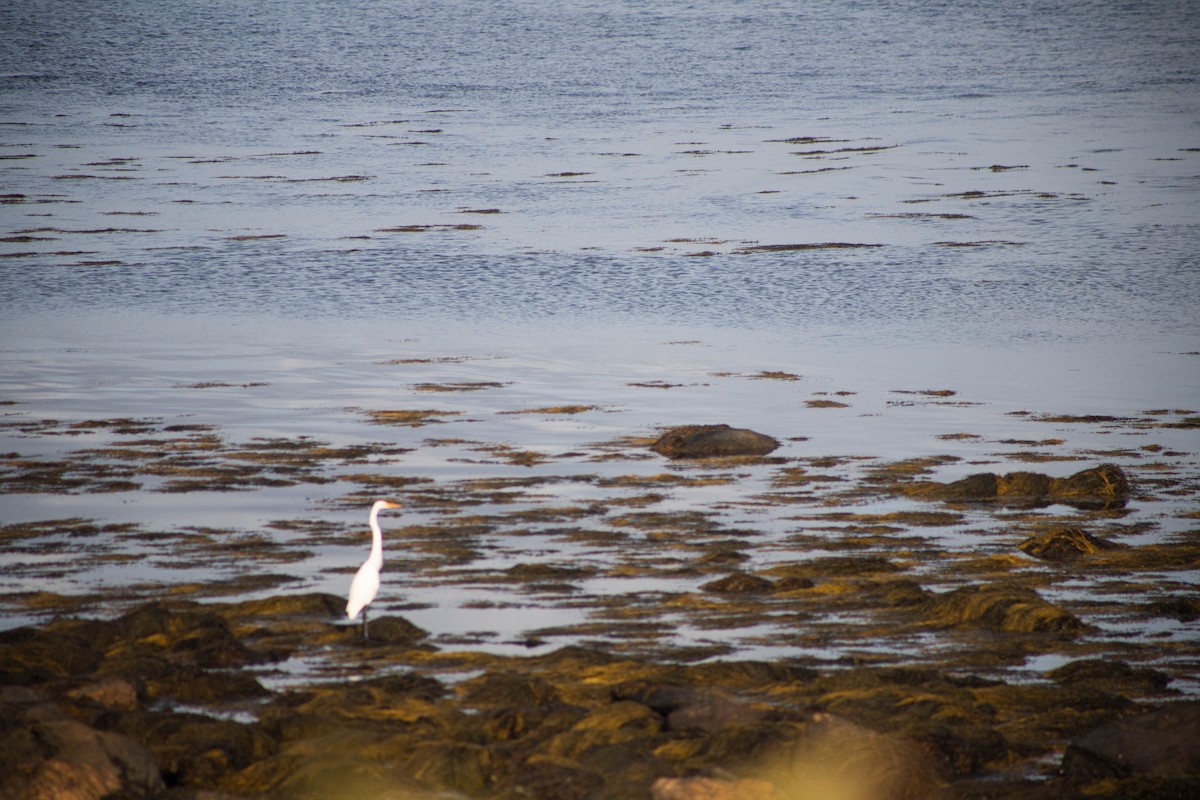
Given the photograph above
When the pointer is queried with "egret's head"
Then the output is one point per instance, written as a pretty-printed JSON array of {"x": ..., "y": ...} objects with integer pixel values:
[{"x": 382, "y": 504}]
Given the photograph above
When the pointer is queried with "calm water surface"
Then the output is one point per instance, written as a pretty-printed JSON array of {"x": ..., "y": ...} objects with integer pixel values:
[{"x": 570, "y": 199}]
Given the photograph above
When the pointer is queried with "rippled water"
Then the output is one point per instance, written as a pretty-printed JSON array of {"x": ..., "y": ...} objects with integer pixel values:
[
  {"x": 600, "y": 131},
  {"x": 580, "y": 196}
]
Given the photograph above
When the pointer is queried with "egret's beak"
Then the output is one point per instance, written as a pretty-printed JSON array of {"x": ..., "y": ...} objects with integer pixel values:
[{"x": 390, "y": 504}]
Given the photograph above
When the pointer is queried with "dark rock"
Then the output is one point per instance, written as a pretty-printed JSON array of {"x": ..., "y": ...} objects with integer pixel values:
[
  {"x": 709, "y": 441},
  {"x": 1164, "y": 742},
  {"x": 1064, "y": 544},
  {"x": 1000, "y": 607},
  {"x": 739, "y": 583}
]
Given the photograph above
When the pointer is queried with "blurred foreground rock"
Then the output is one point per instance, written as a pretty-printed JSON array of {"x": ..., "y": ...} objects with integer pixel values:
[{"x": 47, "y": 754}]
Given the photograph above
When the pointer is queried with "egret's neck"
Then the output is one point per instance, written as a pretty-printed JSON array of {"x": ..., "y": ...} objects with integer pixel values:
[{"x": 376, "y": 538}]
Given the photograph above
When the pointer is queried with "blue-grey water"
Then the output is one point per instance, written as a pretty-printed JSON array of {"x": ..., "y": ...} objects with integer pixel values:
[{"x": 270, "y": 217}]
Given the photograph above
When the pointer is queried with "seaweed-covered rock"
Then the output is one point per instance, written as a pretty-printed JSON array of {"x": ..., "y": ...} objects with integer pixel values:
[
  {"x": 1000, "y": 607},
  {"x": 157, "y": 650},
  {"x": 739, "y": 583},
  {"x": 507, "y": 688},
  {"x": 709, "y": 441},
  {"x": 1064, "y": 543},
  {"x": 1105, "y": 486},
  {"x": 315, "y": 604},
  {"x": 392, "y": 630},
  {"x": 1109, "y": 675}
]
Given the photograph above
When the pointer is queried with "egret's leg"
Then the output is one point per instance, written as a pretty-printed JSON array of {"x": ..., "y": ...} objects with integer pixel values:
[{"x": 364, "y": 624}]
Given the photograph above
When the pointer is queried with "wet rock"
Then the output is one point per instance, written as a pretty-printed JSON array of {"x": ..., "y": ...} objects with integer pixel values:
[
  {"x": 739, "y": 583},
  {"x": 709, "y": 441},
  {"x": 47, "y": 754},
  {"x": 1064, "y": 543},
  {"x": 1164, "y": 743},
  {"x": 1105, "y": 486},
  {"x": 1000, "y": 607}
]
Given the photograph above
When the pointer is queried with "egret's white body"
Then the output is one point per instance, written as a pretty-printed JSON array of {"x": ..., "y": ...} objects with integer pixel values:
[{"x": 365, "y": 585}]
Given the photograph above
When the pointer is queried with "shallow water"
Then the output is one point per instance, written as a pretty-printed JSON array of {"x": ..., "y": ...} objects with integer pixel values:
[{"x": 271, "y": 223}]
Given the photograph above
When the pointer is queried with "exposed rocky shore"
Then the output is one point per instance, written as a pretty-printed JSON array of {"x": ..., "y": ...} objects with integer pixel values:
[{"x": 164, "y": 702}]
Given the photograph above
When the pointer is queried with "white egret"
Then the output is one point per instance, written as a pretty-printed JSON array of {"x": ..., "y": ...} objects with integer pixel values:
[{"x": 365, "y": 585}]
